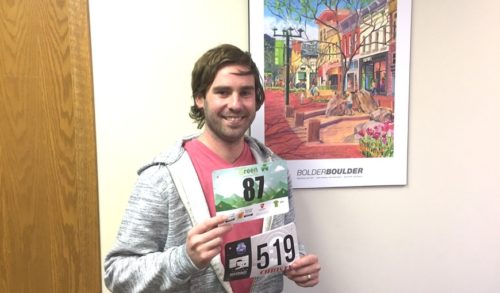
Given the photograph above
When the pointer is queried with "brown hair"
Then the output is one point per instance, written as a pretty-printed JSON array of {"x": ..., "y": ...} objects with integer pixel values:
[{"x": 206, "y": 68}]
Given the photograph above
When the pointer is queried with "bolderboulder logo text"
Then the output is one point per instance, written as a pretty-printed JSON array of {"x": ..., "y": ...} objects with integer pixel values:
[{"x": 326, "y": 172}]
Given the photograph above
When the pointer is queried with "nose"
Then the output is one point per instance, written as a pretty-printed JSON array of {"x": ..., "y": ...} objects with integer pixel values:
[{"x": 235, "y": 101}]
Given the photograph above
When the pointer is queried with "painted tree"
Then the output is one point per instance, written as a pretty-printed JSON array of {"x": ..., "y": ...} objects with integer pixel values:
[{"x": 346, "y": 27}]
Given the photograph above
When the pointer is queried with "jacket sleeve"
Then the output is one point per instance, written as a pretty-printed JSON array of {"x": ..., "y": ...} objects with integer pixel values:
[{"x": 139, "y": 261}]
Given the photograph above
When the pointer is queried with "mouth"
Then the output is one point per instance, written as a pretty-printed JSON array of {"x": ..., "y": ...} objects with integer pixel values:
[{"x": 234, "y": 118}]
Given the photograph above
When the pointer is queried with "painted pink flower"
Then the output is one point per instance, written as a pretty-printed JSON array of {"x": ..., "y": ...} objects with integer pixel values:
[{"x": 388, "y": 126}]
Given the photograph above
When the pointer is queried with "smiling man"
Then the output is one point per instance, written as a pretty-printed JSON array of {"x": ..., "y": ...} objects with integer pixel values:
[
  {"x": 170, "y": 239},
  {"x": 229, "y": 108}
]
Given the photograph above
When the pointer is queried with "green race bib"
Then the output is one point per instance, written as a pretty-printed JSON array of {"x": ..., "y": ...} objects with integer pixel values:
[{"x": 251, "y": 192}]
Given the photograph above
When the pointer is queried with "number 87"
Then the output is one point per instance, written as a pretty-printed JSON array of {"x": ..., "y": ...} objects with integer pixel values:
[{"x": 248, "y": 188}]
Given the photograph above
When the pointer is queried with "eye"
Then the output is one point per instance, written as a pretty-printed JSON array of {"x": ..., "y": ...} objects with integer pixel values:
[
  {"x": 222, "y": 92},
  {"x": 246, "y": 92}
]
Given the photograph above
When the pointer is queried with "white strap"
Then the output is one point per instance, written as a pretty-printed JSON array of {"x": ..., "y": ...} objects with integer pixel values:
[
  {"x": 186, "y": 180},
  {"x": 189, "y": 188}
]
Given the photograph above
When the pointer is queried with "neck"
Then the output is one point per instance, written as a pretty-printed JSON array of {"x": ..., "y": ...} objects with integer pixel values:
[{"x": 230, "y": 152}]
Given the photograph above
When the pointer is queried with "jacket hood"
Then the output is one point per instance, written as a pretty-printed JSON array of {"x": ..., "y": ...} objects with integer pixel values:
[{"x": 174, "y": 152}]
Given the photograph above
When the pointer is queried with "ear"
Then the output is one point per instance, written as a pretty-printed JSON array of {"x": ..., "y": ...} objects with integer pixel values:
[{"x": 200, "y": 101}]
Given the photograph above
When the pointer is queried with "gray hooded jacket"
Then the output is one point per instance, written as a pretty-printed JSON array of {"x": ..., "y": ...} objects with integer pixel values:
[{"x": 167, "y": 201}]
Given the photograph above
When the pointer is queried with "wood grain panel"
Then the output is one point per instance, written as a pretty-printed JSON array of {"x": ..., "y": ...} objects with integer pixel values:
[{"x": 49, "y": 205}]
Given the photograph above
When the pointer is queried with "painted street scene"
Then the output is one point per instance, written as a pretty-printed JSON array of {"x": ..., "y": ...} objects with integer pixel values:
[{"x": 329, "y": 76}]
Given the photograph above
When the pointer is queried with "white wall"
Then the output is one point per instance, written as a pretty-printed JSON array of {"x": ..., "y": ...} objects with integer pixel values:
[{"x": 440, "y": 233}]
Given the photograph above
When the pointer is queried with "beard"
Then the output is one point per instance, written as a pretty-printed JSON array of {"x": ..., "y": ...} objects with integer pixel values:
[{"x": 228, "y": 126}]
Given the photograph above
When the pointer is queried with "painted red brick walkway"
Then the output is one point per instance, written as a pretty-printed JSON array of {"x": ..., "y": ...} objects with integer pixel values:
[{"x": 286, "y": 143}]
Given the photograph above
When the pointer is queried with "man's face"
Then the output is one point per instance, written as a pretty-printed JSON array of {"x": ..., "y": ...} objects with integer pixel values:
[{"x": 229, "y": 104}]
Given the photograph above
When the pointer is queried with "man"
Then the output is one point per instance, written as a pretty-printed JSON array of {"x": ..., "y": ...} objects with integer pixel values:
[{"x": 170, "y": 239}]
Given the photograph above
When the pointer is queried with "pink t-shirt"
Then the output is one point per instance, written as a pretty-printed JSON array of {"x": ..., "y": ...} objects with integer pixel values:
[{"x": 205, "y": 161}]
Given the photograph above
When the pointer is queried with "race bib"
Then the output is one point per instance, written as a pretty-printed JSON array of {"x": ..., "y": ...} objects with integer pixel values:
[
  {"x": 251, "y": 192},
  {"x": 261, "y": 254}
]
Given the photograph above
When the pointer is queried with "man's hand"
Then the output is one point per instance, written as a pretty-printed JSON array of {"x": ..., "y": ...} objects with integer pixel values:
[
  {"x": 305, "y": 271},
  {"x": 204, "y": 240}
]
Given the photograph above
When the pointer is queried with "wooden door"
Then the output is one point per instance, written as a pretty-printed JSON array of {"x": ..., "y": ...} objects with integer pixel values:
[{"x": 49, "y": 226}]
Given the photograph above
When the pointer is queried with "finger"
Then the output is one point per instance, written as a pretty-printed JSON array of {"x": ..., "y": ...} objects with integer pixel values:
[
  {"x": 208, "y": 243},
  {"x": 299, "y": 279},
  {"x": 208, "y": 230},
  {"x": 313, "y": 270},
  {"x": 210, "y": 249},
  {"x": 216, "y": 232},
  {"x": 303, "y": 267},
  {"x": 202, "y": 257},
  {"x": 304, "y": 261},
  {"x": 209, "y": 238},
  {"x": 201, "y": 248},
  {"x": 308, "y": 280},
  {"x": 208, "y": 224},
  {"x": 298, "y": 275}
]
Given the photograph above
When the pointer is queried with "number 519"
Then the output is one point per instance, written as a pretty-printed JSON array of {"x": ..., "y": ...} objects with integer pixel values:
[{"x": 263, "y": 255}]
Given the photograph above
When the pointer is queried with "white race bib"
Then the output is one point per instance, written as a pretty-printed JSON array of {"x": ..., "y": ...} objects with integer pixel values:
[{"x": 261, "y": 254}]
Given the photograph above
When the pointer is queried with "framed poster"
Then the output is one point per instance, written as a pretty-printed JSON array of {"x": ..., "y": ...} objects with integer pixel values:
[{"x": 337, "y": 97}]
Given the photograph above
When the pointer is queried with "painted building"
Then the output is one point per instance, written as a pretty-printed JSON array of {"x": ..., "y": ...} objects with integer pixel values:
[
  {"x": 375, "y": 37},
  {"x": 329, "y": 48},
  {"x": 295, "y": 64},
  {"x": 391, "y": 80},
  {"x": 349, "y": 30},
  {"x": 305, "y": 64},
  {"x": 271, "y": 69},
  {"x": 309, "y": 64}
]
